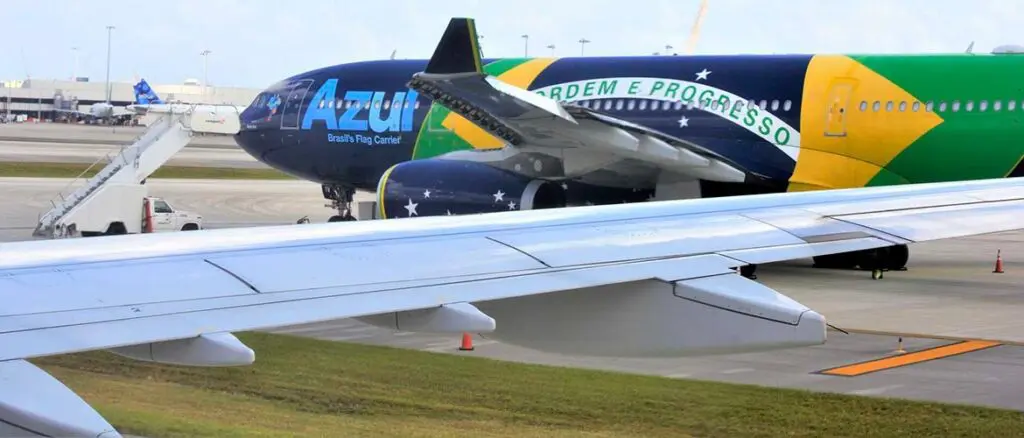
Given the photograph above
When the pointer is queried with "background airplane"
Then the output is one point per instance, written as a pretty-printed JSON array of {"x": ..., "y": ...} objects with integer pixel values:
[
  {"x": 109, "y": 113},
  {"x": 600, "y": 130}
]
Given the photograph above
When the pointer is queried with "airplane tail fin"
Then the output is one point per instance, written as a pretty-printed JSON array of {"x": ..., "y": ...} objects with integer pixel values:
[
  {"x": 458, "y": 51},
  {"x": 144, "y": 94}
]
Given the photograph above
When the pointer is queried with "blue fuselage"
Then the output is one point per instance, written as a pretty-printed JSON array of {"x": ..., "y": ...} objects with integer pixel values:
[{"x": 338, "y": 124}]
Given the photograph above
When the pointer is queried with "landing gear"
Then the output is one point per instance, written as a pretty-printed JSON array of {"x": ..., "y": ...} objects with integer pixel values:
[
  {"x": 341, "y": 200},
  {"x": 890, "y": 258}
]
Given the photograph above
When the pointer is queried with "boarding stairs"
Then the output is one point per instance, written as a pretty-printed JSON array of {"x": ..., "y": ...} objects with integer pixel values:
[{"x": 170, "y": 132}]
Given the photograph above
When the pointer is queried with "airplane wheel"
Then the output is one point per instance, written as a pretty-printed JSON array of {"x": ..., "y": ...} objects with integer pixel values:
[{"x": 876, "y": 274}]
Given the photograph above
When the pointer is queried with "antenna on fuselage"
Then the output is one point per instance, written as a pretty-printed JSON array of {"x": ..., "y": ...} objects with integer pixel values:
[{"x": 970, "y": 48}]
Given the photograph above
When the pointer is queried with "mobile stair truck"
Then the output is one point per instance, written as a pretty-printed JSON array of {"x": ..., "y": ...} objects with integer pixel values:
[{"x": 116, "y": 200}]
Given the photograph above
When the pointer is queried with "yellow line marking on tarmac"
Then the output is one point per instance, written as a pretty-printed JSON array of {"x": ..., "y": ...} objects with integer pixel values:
[{"x": 859, "y": 369}]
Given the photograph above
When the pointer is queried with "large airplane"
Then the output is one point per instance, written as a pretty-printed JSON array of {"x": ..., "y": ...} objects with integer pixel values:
[
  {"x": 635, "y": 280},
  {"x": 464, "y": 137}
]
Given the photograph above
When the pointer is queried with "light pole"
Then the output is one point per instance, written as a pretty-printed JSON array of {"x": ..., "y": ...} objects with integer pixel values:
[
  {"x": 206, "y": 58},
  {"x": 74, "y": 69},
  {"x": 552, "y": 47},
  {"x": 109, "y": 31},
  {"x": 583, "y": 41},
  {"x": 526, "y": 45}
]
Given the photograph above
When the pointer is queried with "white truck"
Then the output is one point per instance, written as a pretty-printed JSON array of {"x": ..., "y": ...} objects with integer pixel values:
[{"x": 127, "y": 209}]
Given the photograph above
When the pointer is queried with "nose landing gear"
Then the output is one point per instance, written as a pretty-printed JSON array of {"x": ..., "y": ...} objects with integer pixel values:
[{"x": 341, "y": 200}]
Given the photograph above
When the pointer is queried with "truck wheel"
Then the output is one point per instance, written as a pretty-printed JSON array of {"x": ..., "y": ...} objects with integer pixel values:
[
  {"x": 115, "y": 229},
  {"x": 190, "y": 227}
]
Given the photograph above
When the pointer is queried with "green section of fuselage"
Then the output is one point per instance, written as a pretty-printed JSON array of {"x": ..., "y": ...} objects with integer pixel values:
[{"x": 968, "y": 144}]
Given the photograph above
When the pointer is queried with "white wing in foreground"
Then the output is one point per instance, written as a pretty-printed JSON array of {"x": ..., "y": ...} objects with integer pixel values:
[{"x": 647, "y": 279}]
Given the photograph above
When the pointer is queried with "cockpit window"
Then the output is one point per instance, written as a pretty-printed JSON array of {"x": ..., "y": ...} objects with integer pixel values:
[{"x": 259, "y": 101}]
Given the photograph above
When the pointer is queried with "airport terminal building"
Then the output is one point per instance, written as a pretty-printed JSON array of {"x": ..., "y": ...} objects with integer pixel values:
[{"x": 37, "y": 99}]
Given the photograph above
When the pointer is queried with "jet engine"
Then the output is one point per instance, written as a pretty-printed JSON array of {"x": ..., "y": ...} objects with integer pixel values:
[{"x": 438, "y": 187}]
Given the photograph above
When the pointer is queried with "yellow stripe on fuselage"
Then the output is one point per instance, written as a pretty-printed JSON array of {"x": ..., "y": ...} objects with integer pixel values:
[
  {"x": 521, "y": 76},
  {"x": 845, "y": 150}
]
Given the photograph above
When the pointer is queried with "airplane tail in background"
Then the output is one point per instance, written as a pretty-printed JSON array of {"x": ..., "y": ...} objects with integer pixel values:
[{"x": 144, "y": 94}]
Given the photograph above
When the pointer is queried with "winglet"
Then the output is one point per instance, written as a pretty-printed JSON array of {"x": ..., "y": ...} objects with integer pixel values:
[{"x": 458, "y": 51}]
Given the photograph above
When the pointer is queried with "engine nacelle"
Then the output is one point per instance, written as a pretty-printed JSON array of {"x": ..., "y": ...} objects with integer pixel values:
[{"x": 438, "y": 187}]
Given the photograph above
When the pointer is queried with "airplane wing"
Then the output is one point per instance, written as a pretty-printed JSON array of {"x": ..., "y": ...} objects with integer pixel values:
[
  {"x": 532, "y": 123},
  {"x": 649, "y": 279}
]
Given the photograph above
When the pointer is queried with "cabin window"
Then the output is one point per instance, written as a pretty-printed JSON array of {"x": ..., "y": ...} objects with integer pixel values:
[
  {"x": 983, "y": 105},
  {"x": 607, "y": 105},
  {"x": 643, "y": 105},
  {"x": 863, "y": 105},
  {"x": 764, "y": 104},
  {"x": 787, "y": 105},
  {"x": 876, "y": 106},
  {"x": 320, "y": 104},
  {"x": 997, "y": 105},
  {"x": 775, "y": 104},
  {"x": 387, "y": 104},
  {"x": 888, "y": 106},
  {"x": 903, "y": 106},
  {"x": 678, "y": 105},
  {"x": 969, "y": 106},
  {"x": 1011, "y": 105},
  {"x": 631, "y": 105},
  {"x": 618, "y": 104},
  {"x": 956, "y": 106},
  {"x": 417, "y": 105},
  {"x": 690, "y": 105},
  {"x": 739, "y": 106},
  {"x": 665, "y": 104},
  {"x": 929, "y": 107},
  {"x": 942, "y": 106},
  {"x": 348, "y": 104},
  {"x": 915, "y": 107}
]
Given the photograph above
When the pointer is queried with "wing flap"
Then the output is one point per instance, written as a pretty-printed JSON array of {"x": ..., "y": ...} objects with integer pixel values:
[
  {"x": 373, "y": 263},
  {"x": 942, "y": 222},
  {"x": 150, "y": 281},
  {"x": 660, "y": 237}
]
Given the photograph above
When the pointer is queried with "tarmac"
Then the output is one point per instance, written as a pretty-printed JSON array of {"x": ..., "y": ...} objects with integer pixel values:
[{"x": 949, "y": 291}]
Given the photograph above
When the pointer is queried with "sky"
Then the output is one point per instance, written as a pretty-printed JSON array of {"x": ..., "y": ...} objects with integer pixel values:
[{"x": 255, "y": 43}]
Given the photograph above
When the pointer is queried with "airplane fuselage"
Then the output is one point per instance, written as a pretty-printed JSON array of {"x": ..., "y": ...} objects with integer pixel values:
[{"x": 817, "y": 121}]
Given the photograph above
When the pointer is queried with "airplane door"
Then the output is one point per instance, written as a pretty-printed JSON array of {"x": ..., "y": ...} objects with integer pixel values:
[
  {"x": 293, "y": 104},
  {"x": 838, "y": 107}
]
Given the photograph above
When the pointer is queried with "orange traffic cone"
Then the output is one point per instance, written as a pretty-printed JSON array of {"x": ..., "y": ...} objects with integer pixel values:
[
  {"x": 999, "y": 262},
  {"x": 467, "y": 342}
]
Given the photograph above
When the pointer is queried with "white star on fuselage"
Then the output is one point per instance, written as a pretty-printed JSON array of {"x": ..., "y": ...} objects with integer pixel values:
[
  {"x": 411, "y": 207},
  {"x": 703, "y": 74},
  {"x": 683, "y": 121},
  {"x": 511, "y": 205},
  {"x": 426, "y": 193},
  {"x": 500, "y": 196}
]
